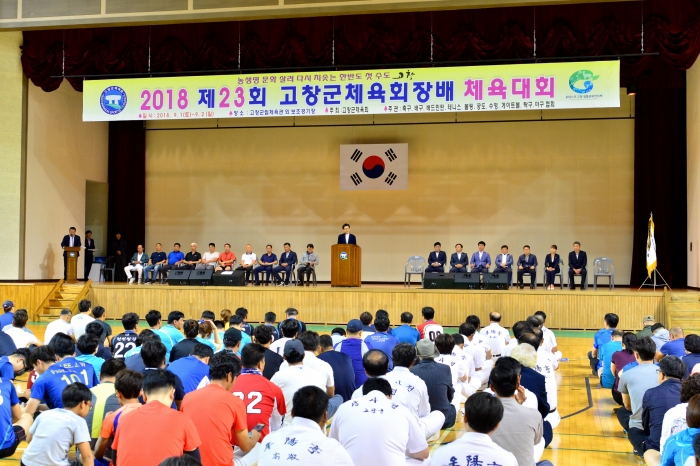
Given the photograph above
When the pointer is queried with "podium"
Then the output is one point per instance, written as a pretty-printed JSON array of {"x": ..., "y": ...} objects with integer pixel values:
[
  {"x": 346, "y": 265},
  {"x": 71, "y": 264}
]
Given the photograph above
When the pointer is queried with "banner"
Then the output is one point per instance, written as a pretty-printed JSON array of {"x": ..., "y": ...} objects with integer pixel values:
[
  {"x": 374, "y": 166},
  {"x": 417, "y": 90},
  {"x": 651, "y": 247}
]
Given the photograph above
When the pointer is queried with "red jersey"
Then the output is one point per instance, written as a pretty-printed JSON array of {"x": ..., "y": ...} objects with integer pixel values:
[
  {"x": 430, "y": 329},
  {"x": 263, "y": 399}
]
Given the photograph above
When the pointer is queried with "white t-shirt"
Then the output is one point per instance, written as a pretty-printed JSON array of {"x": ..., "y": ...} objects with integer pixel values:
[
  {"x": 546, "y": 365},
  {"x": 458, "y": 367},
  {"x": 313, "y": 362},
  {"x": 509, "y": 347},
  {"x": 79, "y": 322},
  {"x": 20, "y": 336},
  {"x": 674, "y": 422},
  {"x": 476, "y": 351},
  {"x": 247, "y": 259},
  {"x": 474, "y": 445},
  {"x": 305, "y": 442},
  {"x": 365, "y": 334},
  {"x": 207, "y": 256},
  {"x": 58, "y": 326},
  {"x": 482, "y": 341},
  {"x": 292, "y": 379},
  {"x": 278, "y": 345},
  {"x": 497, "y": 336},
  {"x": 407, "y": 389},
  {"x": 463, "y": 355},
  {"x": 549, "y": 340},
  {"x": 376, "y": 420}
]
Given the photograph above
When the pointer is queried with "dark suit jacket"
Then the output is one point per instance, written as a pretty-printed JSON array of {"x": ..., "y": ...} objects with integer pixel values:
[
  {"x": 291, "y": 260},
  {"x": 89, "y": 244},
  {"x": 119, "y": 245},
  {"x": 549, "y": 262},
  {"x": 66, "y": 243},
  {"x": 438, "y": 379},
  {"x": 273, "y": 361},
  {"x": 527, "y": 263},
  {"x": 352, "y": 239},
  {"x": 435, "y": 257},
  {"x": 464, "y": 260},
  {"x": 534, "y": 381},
  {"x": 579, "y": 263}
]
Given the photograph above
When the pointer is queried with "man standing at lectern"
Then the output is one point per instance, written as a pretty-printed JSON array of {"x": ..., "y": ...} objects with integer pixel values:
[
  {"x": 71, "y": 240},
  {"x": 577, "y": 265},
  {"x": 347, "y": 237}
]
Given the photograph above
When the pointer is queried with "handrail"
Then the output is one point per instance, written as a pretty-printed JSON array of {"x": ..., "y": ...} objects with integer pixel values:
[
  {"x": 83, "y": 293},
  {"x": 49, "y": 296}
]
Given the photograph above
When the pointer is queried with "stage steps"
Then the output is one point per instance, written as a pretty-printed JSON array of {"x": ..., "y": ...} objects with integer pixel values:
[
  {"x": 62, "y": 296},
  {"x": 683, "y": 310}
]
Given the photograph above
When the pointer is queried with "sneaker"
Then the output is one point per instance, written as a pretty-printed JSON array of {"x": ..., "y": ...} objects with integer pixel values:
[
  {"x": 131, "y": 280},
  {"x": 279, "y": 284},
  {"x": 148, "y": 282}
]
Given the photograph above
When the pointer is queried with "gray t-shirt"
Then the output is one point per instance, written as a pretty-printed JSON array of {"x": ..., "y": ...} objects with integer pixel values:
[
  {"x": 54, "y": 433},
  {"x": 635, "y": 382},
  {"x": 519, "y": 431}
]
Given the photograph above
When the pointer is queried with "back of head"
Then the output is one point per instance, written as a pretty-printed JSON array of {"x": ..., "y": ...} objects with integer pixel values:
[
  {"x": 483, "y": 412},
  {"x": 375, "y": 363},
  {"x": 251, "y": 355},
  {"x": 375, "y": 383},
  {"x": 692, "y": 414},
  {"x": 270, "y": 317},
  {"x": 289, "y": 328},
  {"x": 62, "y": 345},
  {"x": 690, "y": 387},
  {"x": 225, "y": 314},
  {"x": 222, "y": 364},
  {"x": 521, "y": 327},
  {"x": 656, "y": 326},
  {"x": 380, "y": 312},
  {"x": 208, "y": 315},
  {"x": 44, "y": 354},
  {"x": 184, "y": 460},
  {"x": 310, "y": 403},
  {"x": 153, "y": 354},
  {"x": 542, "y": 315},
  {"x": 474, "y": 320},
  {"x": 692, "y": 343},
  {"x": 406, "y": 317},
  {"x": 676, "y": 332},
  {"x": 310, "y": 340},
  {"x": 531, "y": 338},
  {"x": 243, "y": 312},
  {"x": 646, "y": 348},
  {"x": 130, "y": 320},
  {"x": 206, "y": 328},
  {"x": 494, "y": 317},
  {"x": 672, "y": 366},
  {"x": 459, "y": 339},
  {"x": 525, "y": 354},
  {"x": 263, "y": 334},
  {"x": 366, "y": 318},
  {"x": 20, "y": 318},
  {"x": 112, "y": 368},
  {"x": 87, "y": 343},
  {"x": 467, "y": 329},
  {"x": 445, "y": 343},
  {"x": 74, "y": 394},
  {"x": 612, "y": 320},
  {"x": 175, "y": 315},
  {"x": 98, "y": 312},
  {"x": 338, "y": 331},
  {"x": 291, "y": 313},
  {"x": 235, "y": 320},
  {"x": 534, "y": 321},
  {"x": 147, "y": 335},
  {"x": 617, "y": 333},
  {"x": 84, "y": 305},
  {"x": 381, "y": 323},
  {"x": 202, "y": 351},
  {"x": 403, "y": 355},
  {"x": 326, "y": 342},
  {"x": 504, "y": 376},
  {"x": 428, "y": 313},
  {"x": 628, "y": 341},
  {"x": 153, "y": 317},
  {"x": 128, "y": 383},
  {"x": 94, "y": 328},
  {"x": 158, "y": 382}
]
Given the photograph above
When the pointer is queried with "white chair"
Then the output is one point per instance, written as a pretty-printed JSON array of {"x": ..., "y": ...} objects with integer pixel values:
[
  {"x": 603, "y": 267},
  {"x": 415, "y": 265}
]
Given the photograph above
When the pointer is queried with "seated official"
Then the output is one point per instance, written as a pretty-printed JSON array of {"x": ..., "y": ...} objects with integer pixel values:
[
  {"x": 309, "y": 261},
  {"x": 137, "y": 263},
  {"x": 175, "y": 260},
  {"x": 551, "y": 266},
  {"x": 504, "y": 264},
  {"x": 577, "y": 265},
  {"x": 267, "y": 261},
  {"x": 527, "y": 264},
  {"x": 226, "y": 259},
  {"x": 287, "y": 261},
  {"x": 192, "y": 258},
  {"x": 436, "y": 260},
  {"x": 248, "y": 261},
  {"x": 481, "y": 261},
  {"x": 210, "y": 258},
  {"x": 155, "y": 263},
  {"x": 458, "y": 261},
  {"x": 346, "y": 237}
]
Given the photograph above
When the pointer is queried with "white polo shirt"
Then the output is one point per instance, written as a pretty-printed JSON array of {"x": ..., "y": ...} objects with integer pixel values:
[
  {"x": 482, "y": 341},
  {"x": 79, "y": 322},
  {"x": 376, "y": 420},
  {"x": 313, "y": 362},
  {"x": 509, "y": 347},
  {"x": 408, "y": 390},
  {"x": 462, "y": 355},
  {"x": 247, "y": 259},
  {"x": 549, "y": 340},
  {"x": 547, "y": 367},
  {"x": 210, "y": 255},
  {"x": 497, "y": 336},
  {"x": 292, "y": 379},
  {"x": 457, "y": 366},
  {"x": 58, "y": 326},
  {"x": 303, "y": 441},
  {"x": 476, "y": 351},
  {"x": 278, "y": 345},
  {"x": 20, "y": 336},
  {"x": 472, "y": 445}
]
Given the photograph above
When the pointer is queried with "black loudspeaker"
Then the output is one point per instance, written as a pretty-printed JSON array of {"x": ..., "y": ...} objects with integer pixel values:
[
  {"x": 201, "y": 277},
  {"x": 229, "y": 278},
  {"x": 467, "y": 281},
  {"x": 179, "y": 277},
  {"x": 496, "y": 281},
  {"x": 439, "y": 281}
]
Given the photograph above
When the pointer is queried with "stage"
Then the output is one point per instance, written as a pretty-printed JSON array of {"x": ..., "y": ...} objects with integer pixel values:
[{"x": 326, "y": 305}]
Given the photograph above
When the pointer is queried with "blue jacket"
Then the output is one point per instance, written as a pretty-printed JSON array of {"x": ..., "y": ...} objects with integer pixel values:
[
  {"x": 485, "y": 259},
  {"x": 679, "y": 448},
  {"x": 355, "y": 348},
  {"x": 290, "y": 260},
  {"x": 655, "y": 403},
  {"x": 499, "y": 260},
  {"x": 534, "y": 381}
]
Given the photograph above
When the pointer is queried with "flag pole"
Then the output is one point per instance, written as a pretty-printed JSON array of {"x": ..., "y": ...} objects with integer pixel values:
[{"x": 655, "y": 272}]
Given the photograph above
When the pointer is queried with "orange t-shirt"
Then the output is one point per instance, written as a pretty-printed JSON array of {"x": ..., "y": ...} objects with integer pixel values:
[
  {"x": 227, "y": 256},
  {"x": 152, "y": 433},
  {"x": 217, "y": 414},
  {"x": 108, "y": 423}
]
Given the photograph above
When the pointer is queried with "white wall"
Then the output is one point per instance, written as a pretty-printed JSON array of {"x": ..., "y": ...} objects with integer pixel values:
[
  {"x": 693, "y": 138},
  {"x": 62, "y": 153}
]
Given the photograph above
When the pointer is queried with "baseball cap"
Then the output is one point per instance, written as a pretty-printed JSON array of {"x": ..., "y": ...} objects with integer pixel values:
[
  {"x": 355, "y": 325},
  {"x": 648, "y": 319},
  {"x": 232, "y": 336},
  {"x": 426, "y": 349},
  {"x": 7, "y": 305},
  {"x": 293, "y": 345}
]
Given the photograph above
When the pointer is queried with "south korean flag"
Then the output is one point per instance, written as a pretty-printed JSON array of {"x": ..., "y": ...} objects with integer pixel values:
[{"x": 374, "y": 166}]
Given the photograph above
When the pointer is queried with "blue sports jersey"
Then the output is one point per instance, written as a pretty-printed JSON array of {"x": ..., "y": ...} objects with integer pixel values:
[
  {"x": 85, "y": 370},
  {"x": 406, "y": 334},
  {"x": 49, "y": 385},
  {"x": 6, "y": 319},
  {"x": 175, "y": 335},
  {"x": 191, "y": 372},
  {"x": 383, "y": 342},
  {"x": 167, "y": 341},
  {"x": 245, "y": 339},
  {"x": 9, "y": 399},
  {"x": 210, "y": 343},
  {"x": 6, "y": 369},
  {"x": 602, "y": 336}
]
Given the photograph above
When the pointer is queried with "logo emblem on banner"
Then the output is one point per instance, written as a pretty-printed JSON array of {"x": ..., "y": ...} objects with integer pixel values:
[
  {"x": 113, "y": 100},
  {"x": 374, "y": 166},
  {"x": 582, "y": 75}
]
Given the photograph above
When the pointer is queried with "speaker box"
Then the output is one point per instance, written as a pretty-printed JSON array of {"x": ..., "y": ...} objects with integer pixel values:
[
  {"x": 496, "y": 281},
  {"x": 439, "y": 281},
  {"x": 201, "y": 277},
  {"x": 229, "y": 278},
  {"x": 179, "y": 277},
  {"x": 467, "y": 281}
]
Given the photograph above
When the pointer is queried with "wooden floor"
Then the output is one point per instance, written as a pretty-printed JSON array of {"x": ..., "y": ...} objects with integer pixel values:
[{"x": 589, "y": 434}]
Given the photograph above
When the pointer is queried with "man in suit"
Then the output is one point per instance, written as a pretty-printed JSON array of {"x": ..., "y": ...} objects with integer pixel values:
[
  {"x": 138, "y": 261},
  {"x": 119, "y": 251},
  {"x": 71, "y": 240},
  {"x": 436, "y": 259},
  {"x": 577, "y": 265},
  {"x": 286, "y": 262},
  {"x": 504, "y": 264},
  {"x": 527, "y": 264},
  {"x": 89, "y": 251},
  {"x": 347, "y": 237},
  {"x": 481, "y": 261},
  {"x": 458, "y": 261}
]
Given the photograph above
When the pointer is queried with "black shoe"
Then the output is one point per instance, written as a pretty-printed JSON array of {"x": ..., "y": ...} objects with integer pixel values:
[
  {"x": 256, "y": 284},
  {"x": 521, "y": 286},
  {"x": 308, "y": 284},
  {"x": 532, "y": 287}
]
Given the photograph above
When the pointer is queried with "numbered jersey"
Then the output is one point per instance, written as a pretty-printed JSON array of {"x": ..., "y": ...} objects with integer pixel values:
[
  {"x": 123, "y": 343},
  {"x": 263, "y": 399},
  {"x": 85, "y": 370},
  {"x": 49, "y": 385},
  {"x": 432, "y": 330}
]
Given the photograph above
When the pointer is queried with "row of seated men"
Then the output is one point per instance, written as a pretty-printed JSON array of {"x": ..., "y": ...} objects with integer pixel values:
[
  {"x": 158, "y": 264},
  {"x": 393, "y": 387},
  {"x": 526, "y": 264},
  {"x": 654, "y": 377}
]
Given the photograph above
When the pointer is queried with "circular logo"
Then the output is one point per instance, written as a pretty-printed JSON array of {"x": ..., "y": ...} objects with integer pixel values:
[
  {"x": 582, "y": 75},
  {"x": 113, "y": 100},
  {"x": 373, "y": 167},
  {"x": 344, "y": 256}
]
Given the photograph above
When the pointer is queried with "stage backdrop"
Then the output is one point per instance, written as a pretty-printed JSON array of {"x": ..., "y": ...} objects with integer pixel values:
[{"x": 560, "y": 177}]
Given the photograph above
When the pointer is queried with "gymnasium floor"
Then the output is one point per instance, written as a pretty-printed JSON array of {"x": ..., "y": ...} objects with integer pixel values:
[{"x": 590, "y": 435}]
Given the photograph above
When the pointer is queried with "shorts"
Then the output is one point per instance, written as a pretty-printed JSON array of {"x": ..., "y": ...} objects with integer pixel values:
[{"x": 20, "y": 435}]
